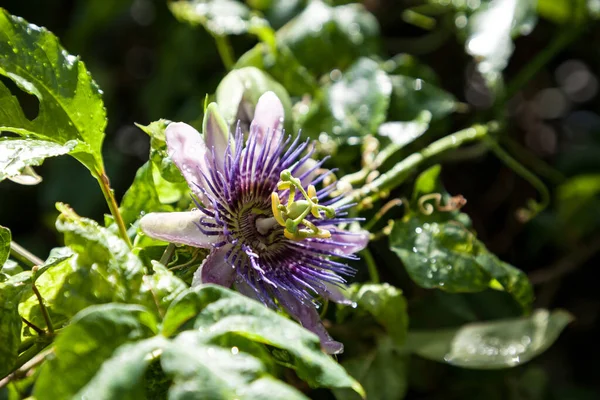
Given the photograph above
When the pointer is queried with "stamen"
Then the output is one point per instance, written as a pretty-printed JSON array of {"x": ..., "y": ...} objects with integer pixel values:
[{"x": 295, "y": 213}]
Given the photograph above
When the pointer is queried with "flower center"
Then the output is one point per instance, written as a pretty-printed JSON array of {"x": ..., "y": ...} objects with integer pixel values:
[{"x": 294, "y": 216}]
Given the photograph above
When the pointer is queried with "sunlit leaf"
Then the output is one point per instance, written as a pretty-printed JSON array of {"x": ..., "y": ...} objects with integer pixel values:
[
  {"x": 239, "y": 91},
  {"x": 357, "y": 103},
  {"x": 281, "y": 64},
  {"x": 122, "y": 375},
  {"x": 384, "y": 303},
  {"x": 402, "y": 133},
  {"x": 205, "y": 371},
  {"x": 10, "y": 320},
  {"x": 439, "y": 251},
  {"x": 86, "y": 343},
  {"x": 17, "y": 154},
  {"x": 163, "y": 287},
  {"x": 142, "y": 196},
  {"x": 563, "y": 11},
  {"x": 5, "y": 239},
  {"x": 218, "y": 312},
  {"x": 223, "y": 17},
  {"x": 411, "y": 96},
  {"x": 323, "y": 38},
  {"x": 70, "y": 107},
  {"x": 490, "y": 345},
  {"x": 491, "y": 29}
]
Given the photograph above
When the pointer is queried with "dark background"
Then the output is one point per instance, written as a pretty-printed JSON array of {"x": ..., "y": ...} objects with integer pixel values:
[{"x": 150, "y": 66}]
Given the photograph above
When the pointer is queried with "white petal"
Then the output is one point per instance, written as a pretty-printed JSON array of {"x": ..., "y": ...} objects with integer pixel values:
[
  {"x": 187, "y": 150},
  {"x": 177, "y": 227},
  {"x": 268, "y": 117},
  {"x": 216, "y": 133}
]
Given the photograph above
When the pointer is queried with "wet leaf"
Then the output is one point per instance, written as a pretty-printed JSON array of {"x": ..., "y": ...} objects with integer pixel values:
[
  {"x": 205, "y": 371},
  {"x": 323, "y": 38},
  {"x": 447, "y": 256},
  {"x": 218, "y": 312},
  {"x": 492, "y": 345},
  {"x": 5, "y": 239},
  {"x": 70, "y": 108},
  {"x": 411, "y": 96},
  {"x": 282, "y": 65},
  {"x": 239, "y": 91},
  {"x": 86, "y": 343},
  {"x": 383, "y": 372},
  {"x": 402, "y": 133},
  {"x": 359, "y": 101},
  {"x": 491, "y": 29},
  {"x": 142, "y": 196},
  {"x": 163, "y": 287},
  {"x": 10, "y": 320},
  {"x": 384, "y": 303},
  {"x": 122, "y": 375},
  {"x": 17, "y": 154},
  {"x": 439, "y": 251},
  {"x": 223, "y": 17}
]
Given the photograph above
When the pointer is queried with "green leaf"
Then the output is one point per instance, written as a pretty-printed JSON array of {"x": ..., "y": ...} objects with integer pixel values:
[
  {"x": 142, "y": 196},
  {"x": 447, "y": 256},
  {"x": 384, "y": 303},
  {"x": 491, "y": 345},
  {"x": 402, "y": 133},
  {"x": 410, "y": 96},
  {"x": 5, "y": 239},
  {"x": 122, "y": 376},
  {"x": 239, "y": 91},
  {"x": 102, "y": 270},
  {"x": 95, "y": 245},
  {"x": 71, "y": 107},
  {"x": 356, "y": 104},
  {"x": 222, "y": 17},
  {"x": 490, "y": 32},
  {"x": 86, "y": 343},
  {"x": 203, "y": 371},
  {"x": 323, "y": 38},
  {"x": 220, "y": 312},
  {"x": 20, "y": 153},
  {"x": 162, "y": 286},
  {"x": 408, "y": 65},
  {"x": 578, "y": 205},
  {"x": 383, "y": 372},
  {"x": 10, "y": 320},
  {"x": 282, "y": 65},
  {"x": 563, "y": 11}
]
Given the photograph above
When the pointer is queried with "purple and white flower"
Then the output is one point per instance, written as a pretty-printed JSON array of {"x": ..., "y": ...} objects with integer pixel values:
[{"x": 272, "y": 235}]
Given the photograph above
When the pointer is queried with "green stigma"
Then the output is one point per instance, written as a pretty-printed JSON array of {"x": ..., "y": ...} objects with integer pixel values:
[{"x": 293, "y": 215}]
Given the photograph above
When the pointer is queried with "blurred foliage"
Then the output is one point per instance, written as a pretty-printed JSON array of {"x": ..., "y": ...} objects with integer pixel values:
[{"x": 442, "y": 296}]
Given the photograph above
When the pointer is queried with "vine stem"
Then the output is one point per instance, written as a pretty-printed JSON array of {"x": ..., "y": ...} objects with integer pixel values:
[
  {"x": 29, "y": 359},
  {"x": 23, "y": 255},
  {"x": 225, "y": 51},
  {"x": 109, "y": 196},
  {"x": 371, "y": 265},
  {"x": 400, "y": 172}
]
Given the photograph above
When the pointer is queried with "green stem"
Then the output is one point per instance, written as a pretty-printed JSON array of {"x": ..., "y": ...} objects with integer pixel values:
[
  {"x": 402, "y": 170},
  {"x": 43, "y": 308},
  {"x": 109, "y": 196},
  {"x": 512, "y": 163},
  {"x": 371, "y": 266},
  {"x": 535, "y": 163},
  {"x": 23, "y": 255},
  {"x": 225, "y": 51},
  {"x": 166, "y": 257}
]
